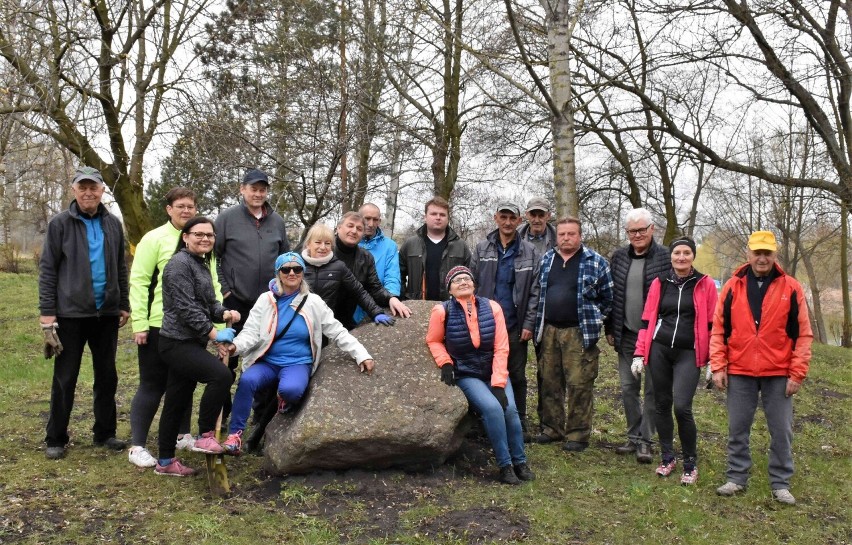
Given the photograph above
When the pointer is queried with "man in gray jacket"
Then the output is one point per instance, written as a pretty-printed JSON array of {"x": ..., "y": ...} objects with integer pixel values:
[
  {"x": 634, "y": 267},
  {"x": 83, "y": 299},
  {"x": 505, "y": 269}
]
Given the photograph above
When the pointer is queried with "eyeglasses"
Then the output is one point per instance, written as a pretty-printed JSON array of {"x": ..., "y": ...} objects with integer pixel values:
[
  {"x": 201, "y": 236},
  {"x": 294, "y": 270},
  {"x": 183, "y": 207},
  {"x": 640, "y": 231},
  {"x": 461, "y": 279}
]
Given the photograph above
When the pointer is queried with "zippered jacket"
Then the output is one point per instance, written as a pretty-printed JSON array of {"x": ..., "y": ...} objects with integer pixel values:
[
  {"x": 334, "y": 277},
  {"x": 65, "y": 273},
  {"x": 386, "y": 256},
  {"x": 703, "y": 299},
  {"x": 782, "y": 344},
  {"x": 190, "y": 304},
  {"x": 526, "y": 264},
  {"x": 412, "y": 262}
]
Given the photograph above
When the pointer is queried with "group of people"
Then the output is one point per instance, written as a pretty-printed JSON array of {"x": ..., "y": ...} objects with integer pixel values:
[{"x": 236, "y": 282}]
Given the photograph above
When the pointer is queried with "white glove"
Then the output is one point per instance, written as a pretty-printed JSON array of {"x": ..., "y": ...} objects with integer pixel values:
[
  {"x": 708, "y": 375},
  {"x": 637, "y": 366}
]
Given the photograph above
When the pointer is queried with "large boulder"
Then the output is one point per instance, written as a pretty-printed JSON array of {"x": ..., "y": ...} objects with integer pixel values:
[{"x": 400, "y": 416}]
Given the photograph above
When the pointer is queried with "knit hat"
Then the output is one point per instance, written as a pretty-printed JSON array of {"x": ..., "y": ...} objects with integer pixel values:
[
  {"x": 454, "y": 272},
  {"x": 683, "y": 241},
  {"x": 762, "y": 240},
  {"x": 283, "y": 259}
]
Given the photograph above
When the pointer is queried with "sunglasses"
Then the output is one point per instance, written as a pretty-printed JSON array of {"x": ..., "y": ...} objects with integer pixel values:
[{"x": 294, "y": 270}]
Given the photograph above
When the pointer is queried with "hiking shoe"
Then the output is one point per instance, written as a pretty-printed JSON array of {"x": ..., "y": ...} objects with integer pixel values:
[
  {"x": 140, "y": 457},
  {"x": 730, "y": 488},
  {"x": 666, "y": 467},
  {"x": 782, "y": 495},
  {"x": 574, "y": 446},
  {"x": 543, "y": 439},
  {"x": 643, "y": 453},
  {"x": 185, "y": 442},
  {"x": 207, "y": 444},
  {"x": 689, "y": 476},
  {"x": 234, "y": 443},
  {"x": 627, "y": 448},
  {"x": 54, "y": 453},
  {"x": 507, "y": 475},
  {"x": 524, "y": 473},
  {"x": 174, "y": 469},
  {"x": 112, "y": 443}
]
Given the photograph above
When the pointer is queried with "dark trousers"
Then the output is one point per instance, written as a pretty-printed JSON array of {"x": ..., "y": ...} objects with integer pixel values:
[
  {"x": 189, "y": 363},
  {"x": 243, "y": 308},
  {"x": 675, "y": 376},
  {"x": 101, "y": 334},
  {"x": 518, "y": 372},
  {"x": 153, "y": 378}
]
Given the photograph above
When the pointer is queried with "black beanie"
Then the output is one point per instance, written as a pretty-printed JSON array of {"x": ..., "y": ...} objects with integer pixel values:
[{"x": 682, "y": 241}]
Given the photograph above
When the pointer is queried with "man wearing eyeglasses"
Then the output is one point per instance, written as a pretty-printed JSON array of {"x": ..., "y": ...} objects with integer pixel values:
[
  {"x": 634, "y": 267},
  {"x": 83, "y": 299},
  {"x": 154, "y": 250},
  {"x": 505, "y": 268}
]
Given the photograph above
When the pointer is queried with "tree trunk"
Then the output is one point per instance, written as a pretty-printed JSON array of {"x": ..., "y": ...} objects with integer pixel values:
[{"x": 846, "y": 337}]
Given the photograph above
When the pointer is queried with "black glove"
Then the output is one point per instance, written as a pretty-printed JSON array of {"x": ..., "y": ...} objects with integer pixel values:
[
  {"x": 500, "y": 394},
  {"x": 448, "y": 374}
]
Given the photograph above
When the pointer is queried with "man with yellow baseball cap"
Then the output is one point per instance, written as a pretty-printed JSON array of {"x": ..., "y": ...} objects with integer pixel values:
[{"x": 760, "y": 347}]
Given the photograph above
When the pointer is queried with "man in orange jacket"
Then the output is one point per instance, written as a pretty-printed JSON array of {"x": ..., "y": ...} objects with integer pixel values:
[{"x": 760, "y": 346}]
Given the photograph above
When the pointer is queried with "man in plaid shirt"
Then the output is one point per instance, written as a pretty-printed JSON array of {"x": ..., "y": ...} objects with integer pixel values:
[{"x": 575, "y": 297}]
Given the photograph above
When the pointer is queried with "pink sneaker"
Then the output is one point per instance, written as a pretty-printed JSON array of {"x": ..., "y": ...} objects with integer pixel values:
[
  {"x": 207, "y": 444},
  {"x": 689, "y": 477},
  {"x": 174, "y": 469},
  {"x": 233, "y": 445},
  {"x": 665, "y": 469}
]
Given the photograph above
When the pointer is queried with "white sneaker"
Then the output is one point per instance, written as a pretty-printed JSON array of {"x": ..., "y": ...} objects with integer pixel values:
[
  {"x": 782, "y": 495},
  {"x": 185, "y": 442},
  {"x": 140, "y": 457}
]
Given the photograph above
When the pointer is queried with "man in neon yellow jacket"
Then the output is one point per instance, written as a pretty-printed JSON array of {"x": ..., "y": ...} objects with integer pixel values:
[{"x": 146, "y": 302}]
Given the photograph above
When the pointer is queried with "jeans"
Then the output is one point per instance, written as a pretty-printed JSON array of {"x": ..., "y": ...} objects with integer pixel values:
[
  {"x": 640, "y": 418},
  {"x": 743, "y": 392},
  {"x": 503, "y": 427},
  {"x": 292, "y": 383},
  {"x": 101, "y": 334},
  {"x": 675, "y": 377}
]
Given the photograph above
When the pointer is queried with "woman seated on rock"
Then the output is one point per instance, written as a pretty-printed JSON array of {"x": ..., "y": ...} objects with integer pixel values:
[
  {"x": 467, "y": 337},
  {"x": 281, "y": 342},
  {"x": 331, "y": 279}
]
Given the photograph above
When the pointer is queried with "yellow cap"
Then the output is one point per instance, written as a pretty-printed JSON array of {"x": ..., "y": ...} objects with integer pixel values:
[{"x": 762, "y": 240}]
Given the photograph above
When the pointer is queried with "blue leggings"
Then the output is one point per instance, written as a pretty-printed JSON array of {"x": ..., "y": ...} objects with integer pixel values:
[{"x": 292, "y": 383}]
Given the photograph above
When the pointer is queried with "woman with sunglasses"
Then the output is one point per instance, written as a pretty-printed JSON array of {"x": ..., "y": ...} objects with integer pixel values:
[
  {"x": 468, "y": 339},
  {"x": 190, "y": 309},
  {"x": 281, "y": 342}
]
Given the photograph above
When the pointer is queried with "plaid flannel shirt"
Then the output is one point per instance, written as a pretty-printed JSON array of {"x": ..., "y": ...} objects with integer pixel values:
[{"x": 594, "y": 294}]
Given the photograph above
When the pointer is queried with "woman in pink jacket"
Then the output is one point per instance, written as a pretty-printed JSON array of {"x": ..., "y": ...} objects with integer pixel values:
[{"x": 675, "y": 344}]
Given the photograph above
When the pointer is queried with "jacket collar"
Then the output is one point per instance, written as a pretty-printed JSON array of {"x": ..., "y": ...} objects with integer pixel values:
[
  {"x": 74, "y": 210},
  {"x": 451, "y": 235}
]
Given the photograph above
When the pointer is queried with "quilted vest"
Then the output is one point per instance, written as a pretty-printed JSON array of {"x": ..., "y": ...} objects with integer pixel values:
[{"x": 470, "y": 361}]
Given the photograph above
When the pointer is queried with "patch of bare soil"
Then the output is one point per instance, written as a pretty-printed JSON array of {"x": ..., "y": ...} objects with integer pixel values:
[{"x": 480, "y": 525}]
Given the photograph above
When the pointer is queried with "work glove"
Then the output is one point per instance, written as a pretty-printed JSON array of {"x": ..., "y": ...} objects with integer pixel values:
[
  {"x": 448, "y": 374},
  {"x": 637, "y": 366},
  {"x": 384, "y": 319},
  {"x": 500, "y": 394},
  {"x": 52, "y": 344},
  {"x": 708, "y": 376},
  {"x": 225, "y": 335}
]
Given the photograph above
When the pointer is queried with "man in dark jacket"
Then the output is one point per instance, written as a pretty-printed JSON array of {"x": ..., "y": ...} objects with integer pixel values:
[
  {"x": 505, "y": 269},
  {"x": 634, "y": 267},
  {"x": 83, "y": 299},
  {"x": 427, "y": 257},
  {"x": 537, "y": 230}
]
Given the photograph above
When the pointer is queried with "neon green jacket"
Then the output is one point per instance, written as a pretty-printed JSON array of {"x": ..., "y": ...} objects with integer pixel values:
[{"x": 146, "y": 295}]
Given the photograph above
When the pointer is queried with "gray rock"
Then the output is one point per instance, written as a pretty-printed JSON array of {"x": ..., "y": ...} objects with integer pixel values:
[{"x": 400, "y": 416}]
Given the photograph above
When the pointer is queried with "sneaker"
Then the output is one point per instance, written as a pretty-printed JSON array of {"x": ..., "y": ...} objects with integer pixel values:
[
  {"x": 627, "y": 448},
  {"x": 112, "y": 443},
  {"x": 666, "y": 467},
  {"x": 207, "y": 444},
  {"x": 507, "y": 475},
  {"x": 730, "y": 488},
  {"x": 524, "y": 473},
  {"x": 140, "y": 457},
  {"x": 782, "y": 495},
  {"x": 54, "y": 453},
  {"x": 643, "y": 453},
  {"x": 185, "y": 442},
  {"x": 174, "y": 469},
  {"x": 233, "y": 445},
  {"x": 689, "y": 476}
]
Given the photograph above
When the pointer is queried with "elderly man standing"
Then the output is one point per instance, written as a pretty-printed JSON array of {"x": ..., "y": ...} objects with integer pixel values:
[
  {"x": 537, "y": 230},
  {"x": 83, "y": 299},
  {"x": 575, "y": 298},
  {"x": 760, "y": 347},
  {"x": 384, "y": 251},
  {"x": 505, "y": 269},
  {"x": 634, "y": 267}
]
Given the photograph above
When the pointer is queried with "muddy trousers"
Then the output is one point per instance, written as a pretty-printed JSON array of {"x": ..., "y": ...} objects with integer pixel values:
[{"x": 568, "y": 373}]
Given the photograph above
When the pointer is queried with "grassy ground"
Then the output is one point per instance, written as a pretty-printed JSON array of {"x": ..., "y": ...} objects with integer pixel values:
[{"x": 96, "y": 496}]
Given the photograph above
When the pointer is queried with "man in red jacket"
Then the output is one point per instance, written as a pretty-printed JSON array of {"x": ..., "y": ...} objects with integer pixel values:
[{"x": 760, "y": 346}]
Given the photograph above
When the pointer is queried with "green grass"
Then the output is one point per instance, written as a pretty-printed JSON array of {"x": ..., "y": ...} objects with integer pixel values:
[{"x": 95, "y": 496}]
